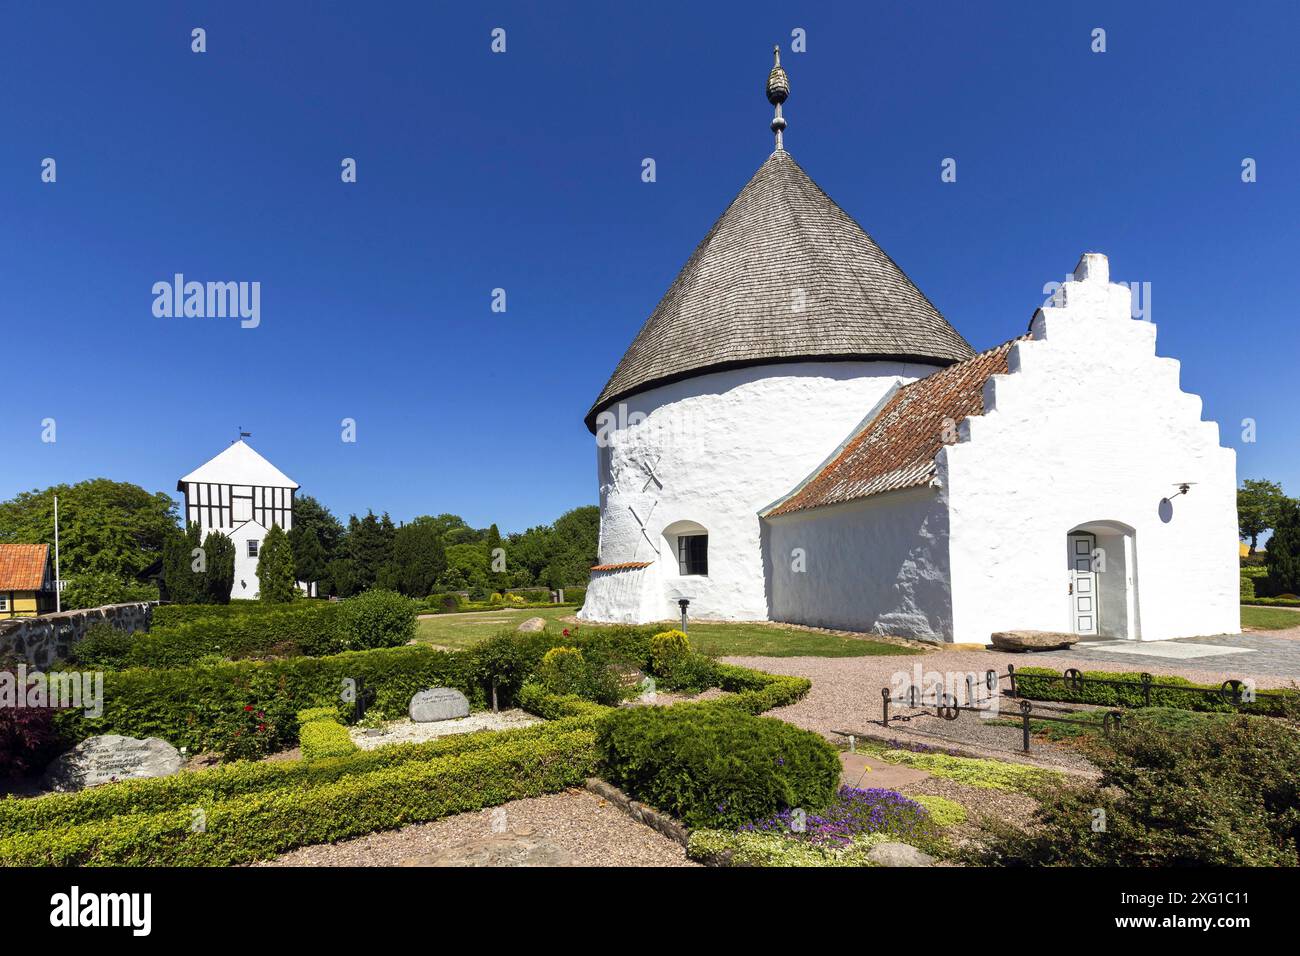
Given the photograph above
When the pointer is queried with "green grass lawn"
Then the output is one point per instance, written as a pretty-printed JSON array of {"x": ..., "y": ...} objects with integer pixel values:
[
  {"x": 458, "y": 631},
  {"x": 1269, "y": 618}
]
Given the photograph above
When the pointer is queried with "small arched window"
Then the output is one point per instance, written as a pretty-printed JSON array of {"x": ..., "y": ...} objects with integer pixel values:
[{"x": 690, "y": 543}]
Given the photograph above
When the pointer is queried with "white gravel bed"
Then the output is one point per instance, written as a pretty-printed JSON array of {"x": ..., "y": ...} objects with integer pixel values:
[
  {"x": 407, "y": 731},
  {"x": 575, "y": 828}
]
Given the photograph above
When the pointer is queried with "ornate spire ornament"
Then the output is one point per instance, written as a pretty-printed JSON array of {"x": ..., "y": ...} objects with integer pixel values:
[{"x": 778, "y": 88}]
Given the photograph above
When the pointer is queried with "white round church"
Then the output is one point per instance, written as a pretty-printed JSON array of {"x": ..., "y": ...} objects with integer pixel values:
[{"x": 797, "y": 434}]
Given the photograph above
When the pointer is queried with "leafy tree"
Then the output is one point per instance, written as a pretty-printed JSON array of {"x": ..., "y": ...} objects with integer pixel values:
[
  {"x": 181, "y": 582},
  {"x": 1257, "y": 508},
  {"x": 1283, "y": 559},
  {"x": 104, "y": 525},
  {"x": 275, "y": 568},
  {"x": 467, "y": 567},
  {"x": 219, "y": 578},
  {"x": 418, "y": 559},
  {"x": 97, "y": 588}
]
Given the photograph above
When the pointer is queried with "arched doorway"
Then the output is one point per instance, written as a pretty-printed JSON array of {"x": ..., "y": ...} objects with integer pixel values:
[{"x": 1101, "y": 563}]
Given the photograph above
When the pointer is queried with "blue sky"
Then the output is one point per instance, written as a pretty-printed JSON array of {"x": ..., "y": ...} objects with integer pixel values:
[{"x": 522, "y": 171}]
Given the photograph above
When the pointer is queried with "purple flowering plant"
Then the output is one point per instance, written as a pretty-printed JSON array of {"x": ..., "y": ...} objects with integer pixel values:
[{"x": 855, "y": 812}]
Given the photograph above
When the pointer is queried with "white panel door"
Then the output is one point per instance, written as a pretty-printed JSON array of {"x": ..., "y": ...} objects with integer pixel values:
[{"x": 1083, "y": 584}]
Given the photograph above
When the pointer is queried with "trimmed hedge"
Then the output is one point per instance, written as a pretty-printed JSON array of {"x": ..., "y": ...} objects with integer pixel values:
[
  {"x": 244, "y": 778},
  {"x": 713, "y": 766},
  {"x": 192, "y": 707},
  {"x": 262, "y": 825},
  {"x": 1166, "y": 691},
  {"x": 321, "y": 736},
  {"x": 184, "y": 636}
]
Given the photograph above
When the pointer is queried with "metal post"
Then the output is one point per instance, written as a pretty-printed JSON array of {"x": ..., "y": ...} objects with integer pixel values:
[
  {"x": 58, "y": 577},
  {"x": 970, "y": 690},
  {"x": 1146, "y": 689},
  {"x": 1011, "y": 674},
  {"x": 884, "y": 694},
  {"x": 683, "y": 604},
  {"x": 1025, "y": 707}
]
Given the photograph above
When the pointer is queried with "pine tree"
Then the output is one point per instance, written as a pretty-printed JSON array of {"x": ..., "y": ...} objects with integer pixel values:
[
  {"x": 275, "y": 568},
  {"x": 310, "y": 562},
  {"x": 183, "y": 583},
  {"x": 1283, "y": 560},
  {"x": 220, "y": 575}
]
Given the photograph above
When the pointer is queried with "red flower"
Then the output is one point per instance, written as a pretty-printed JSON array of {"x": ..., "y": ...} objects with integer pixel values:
[
  {"x": 248, "y": 707},
  {"x": 261, "y": 726},
  {"x": 566, "y": 632}
]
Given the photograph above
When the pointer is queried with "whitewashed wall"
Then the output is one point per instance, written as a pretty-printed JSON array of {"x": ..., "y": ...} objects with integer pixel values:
[
  {"x": 1090, "y": 426},
  {"x": 245, "y": 567},
  {"x": 722, "y": 447},
  {"x": 878, "y": 565}
]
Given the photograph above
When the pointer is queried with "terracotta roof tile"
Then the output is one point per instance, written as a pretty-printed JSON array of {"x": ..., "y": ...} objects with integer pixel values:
[
  {"x": 22, "y": 566},
  {"x": 782, "y": 242},
  {"x": 897, "y": 448},
  {"x": 624, "y": 566}
]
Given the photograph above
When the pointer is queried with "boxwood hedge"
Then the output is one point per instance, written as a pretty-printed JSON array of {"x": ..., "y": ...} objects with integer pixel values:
[{"x": 1166, "y": 691}]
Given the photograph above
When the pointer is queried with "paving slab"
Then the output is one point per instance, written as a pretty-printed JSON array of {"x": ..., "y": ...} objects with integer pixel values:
[{"x": 860, "y": 770}]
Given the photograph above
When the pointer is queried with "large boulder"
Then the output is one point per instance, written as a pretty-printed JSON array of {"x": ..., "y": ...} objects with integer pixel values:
[
  {"x": 438, "y": 703},
  {"x": 532, "y": 624},
  {"x": 898, "y": 854},
  {"x": 1032, "y": 640},
  {"x": 109, "y": 758}
]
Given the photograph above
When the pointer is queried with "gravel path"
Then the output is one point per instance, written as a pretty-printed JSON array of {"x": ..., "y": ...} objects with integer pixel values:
[{"x": 575, "y": 828}]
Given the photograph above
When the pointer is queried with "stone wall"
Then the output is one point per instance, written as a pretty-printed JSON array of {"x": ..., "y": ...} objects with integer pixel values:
[{"x": 42, "y": 640}]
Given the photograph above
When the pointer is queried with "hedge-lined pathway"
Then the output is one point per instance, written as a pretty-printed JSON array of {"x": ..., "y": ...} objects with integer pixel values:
[
  {"x": 845, "y": 691},
  {"x": 575, "y": 828}
]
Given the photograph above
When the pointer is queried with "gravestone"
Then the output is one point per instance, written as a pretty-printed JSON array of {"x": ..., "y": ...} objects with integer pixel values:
[
  {"x": 1032, "y": 640},
  {"x": 438, "y": 703},
  {"x": 108, "y": 758},
  {"x": 532, "y": 625}
]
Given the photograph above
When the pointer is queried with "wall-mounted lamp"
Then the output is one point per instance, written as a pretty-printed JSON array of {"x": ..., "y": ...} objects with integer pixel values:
[{"x": 1183, "y": 487}]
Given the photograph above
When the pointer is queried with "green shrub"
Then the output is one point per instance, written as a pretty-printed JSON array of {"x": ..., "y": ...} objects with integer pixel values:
[
  {"x": 103, "y": 647},
  {"x": 668, "y": 646},
  {"x": 262, "y": 825},
  {"x": 1228, "y": 795},
  {"x": 726, "y": 848},
  {"x": 321, "y": 736},
  {"x": 377, "y": 619},
  {"x": 446, "y": 602},
  {"x": 1166, "y": 691},
  {"x": 715, "y": 766},
  {"x": 979, "y": 772},
  {"x": 944, "y": 812},
  {"x": 242, "y": 778}
]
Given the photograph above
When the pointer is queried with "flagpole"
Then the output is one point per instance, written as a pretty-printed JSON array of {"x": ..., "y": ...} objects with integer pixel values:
[{"x": 58, "y": 594}]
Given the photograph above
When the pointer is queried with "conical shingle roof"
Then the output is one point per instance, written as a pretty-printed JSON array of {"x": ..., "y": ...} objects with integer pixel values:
[{"x": 784, "y": 275}]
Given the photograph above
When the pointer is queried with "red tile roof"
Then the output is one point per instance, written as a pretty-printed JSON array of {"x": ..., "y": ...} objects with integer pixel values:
[
  {"x": 896, "y": 449},
  {"x": 22, "y": 566},
  {"x": 624, "y": 566}
]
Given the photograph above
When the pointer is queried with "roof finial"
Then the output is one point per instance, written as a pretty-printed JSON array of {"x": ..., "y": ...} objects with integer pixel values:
[{"x": 778, "y": 88}]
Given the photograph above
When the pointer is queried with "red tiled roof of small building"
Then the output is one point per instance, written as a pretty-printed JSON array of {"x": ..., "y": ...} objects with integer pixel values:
[
  {"x": 623, "y": 566},
  {"x": 22, "y": 566},
  {"x": 897, "y": 448}
]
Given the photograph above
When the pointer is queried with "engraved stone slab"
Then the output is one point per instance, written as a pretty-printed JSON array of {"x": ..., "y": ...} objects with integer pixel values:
[
  {"x": 109, "y": 758},
  {"x": 438, "y": 703}
]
